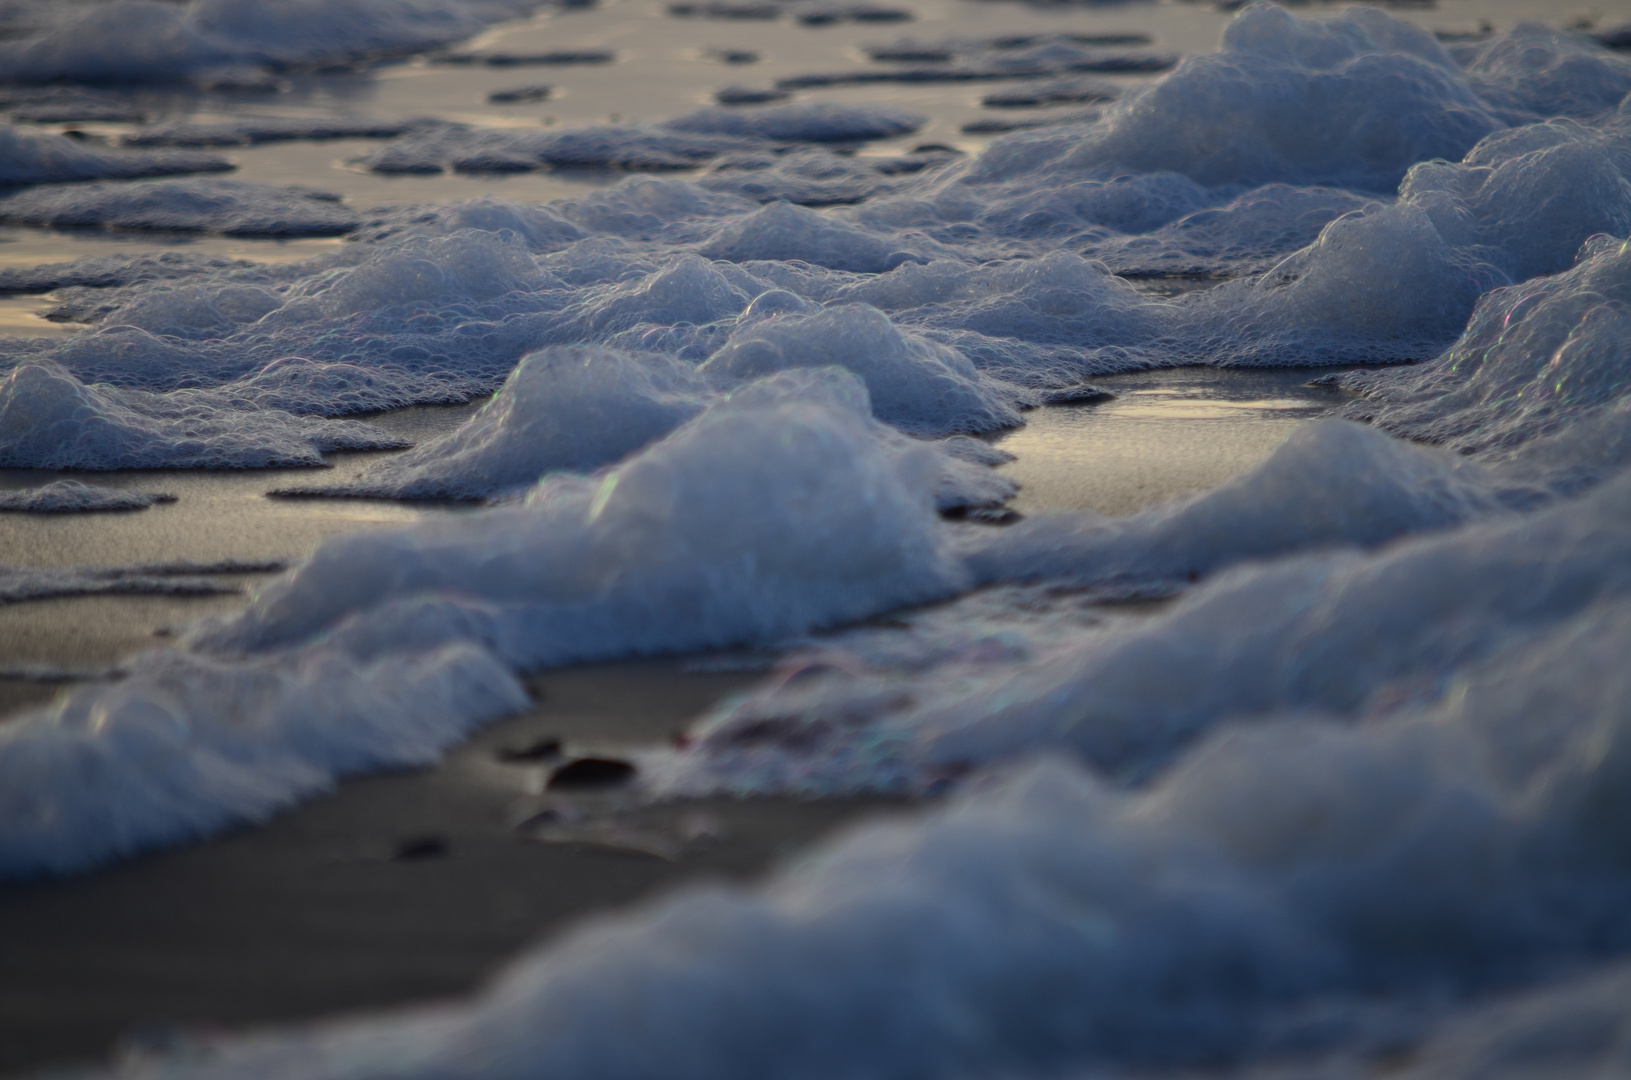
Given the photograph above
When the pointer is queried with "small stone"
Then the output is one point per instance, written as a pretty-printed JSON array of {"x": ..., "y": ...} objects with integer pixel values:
[
  {"x": 588, "y": 774},
  {"x": 518, "y": 95},
  {"x": 421, "y": 848}
]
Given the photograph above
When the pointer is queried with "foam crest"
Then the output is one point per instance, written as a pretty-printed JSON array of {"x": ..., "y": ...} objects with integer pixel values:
[
  {"x": 634, "y": 561},
  {"x": 1534, "y": 71},
  {"x": 915, "y": 384},
  {"x": 1538, "y": 379},
  {"x": 784, "y": 232},
  {"x": 819, "y": 123},
  {"x": 50, "y": 420},
  {"x": 145, "y": 41},
  {"x": 28, "y": 157},
  {"x": 223, "y": 206},
  {"x": 76, "y": 497},
  {"x": 570, "y": 409},
  {"x": 182, "y": 746},
  {"x": 1283, "y": 634},
  {"x": 1287, "y": 889}
]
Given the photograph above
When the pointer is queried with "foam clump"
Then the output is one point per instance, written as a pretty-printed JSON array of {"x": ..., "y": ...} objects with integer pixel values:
[
  {"x": 814, "y": 176},
  {"x": 783, "y": 232},
  {"x": 20, "y": 583},
  {"x": 542, "y": 228},
  {"x": 682, "y": 143},
  {"x": 1537, "y": 380},
  {"x": 1288, "y": 889},
  {"x": 916, "y": 385},
  {"x": 183, "y": 746},
  {"x": 224, "y": 206},
  {"x": 28, "y": 157},
  {"x": 1283, "y": 88},
  {"x": 818, "y": 123},
  {"x": 564, "y": 409},
  {"x": 1331, "y": 634},
  {"x": 76, "y": 497},
  {"x": 249, "y": 130},
  {"x": 1249, "y": 234},
  {"x": 1057, "y": 298},
  {"x": 111, "y": 271},
  {"x": 635, "y": 561},
  {"x": 145, "y": 41},
  {"x": 1352, "y": 101},
  {"x": 499, "y": 150},
  {"x": 468, "y": 264},
  {"x": 1534, "y": 71},
  {"x": 50, "y": 420}
]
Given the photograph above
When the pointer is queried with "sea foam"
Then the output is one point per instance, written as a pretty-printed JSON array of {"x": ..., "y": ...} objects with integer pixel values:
[{"x": 1286, "y": 889}]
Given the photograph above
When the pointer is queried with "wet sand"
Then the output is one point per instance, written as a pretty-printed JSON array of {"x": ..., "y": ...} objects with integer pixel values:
[{"x": 394, "y": 889}]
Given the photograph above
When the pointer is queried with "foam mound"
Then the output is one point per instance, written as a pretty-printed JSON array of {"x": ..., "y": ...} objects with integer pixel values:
[
  {"x": 816, "y": 123},
  {"x": 224, "y": 206},
  {"x": 247, "y": 131},
  {"x": 814, "y": 176},
  {"x": 499, "y": 150},
  {"x": 154, "y": 579},
  {"x": 916, "y": 385},
  {"x": 1539, "y": 375},
  {"x": 50, "y": 420},
  {"x": 1289, "y": 92},
  {"x": 1289, "y": 888},
  {"x": 183, "y": 747},
  {"x": 563, "y": 409},
  {"x": 634, "y": 561},
  {"x": 75, "y": 497},
  {"x": 144, "y": 41},
  {"x": 28, "y": 157},
  {"x": 1331, "y": 634}
]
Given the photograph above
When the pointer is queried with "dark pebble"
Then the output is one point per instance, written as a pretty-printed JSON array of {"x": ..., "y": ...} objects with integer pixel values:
[
  {"x": 518, "y": 95},
  {"x": 587, "y": 774},
  {"x": 420, "y": 848},
  {"x": 749, "y": 95},
  {"x": 983, "y": 515},
  {"x": 1084, "y": 394}
]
